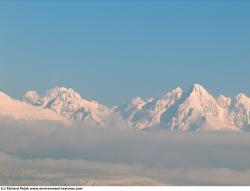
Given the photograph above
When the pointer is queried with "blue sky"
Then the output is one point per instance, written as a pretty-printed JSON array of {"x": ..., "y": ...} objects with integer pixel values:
[{"x": 112, "y": 51}]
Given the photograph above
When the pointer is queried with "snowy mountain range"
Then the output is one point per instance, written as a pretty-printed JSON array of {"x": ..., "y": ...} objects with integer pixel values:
[
  {"x": 177, "y": 110},
  {"x": 66, "y": 102},
  {"x": 193, "y": 110}
]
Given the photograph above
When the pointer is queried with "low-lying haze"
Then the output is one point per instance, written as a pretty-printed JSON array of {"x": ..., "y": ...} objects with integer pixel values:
[{"x": 49, "y": 153}]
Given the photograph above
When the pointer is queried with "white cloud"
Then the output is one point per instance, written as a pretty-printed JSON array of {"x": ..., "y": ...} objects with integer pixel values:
[{"x": 49, "y": 153}]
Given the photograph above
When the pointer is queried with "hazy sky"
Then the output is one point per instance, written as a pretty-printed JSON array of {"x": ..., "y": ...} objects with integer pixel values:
[{"x": 114, "y": 50}]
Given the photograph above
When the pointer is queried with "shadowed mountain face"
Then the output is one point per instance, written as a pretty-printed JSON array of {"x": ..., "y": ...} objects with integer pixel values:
[{"x": 177, "y": 110}]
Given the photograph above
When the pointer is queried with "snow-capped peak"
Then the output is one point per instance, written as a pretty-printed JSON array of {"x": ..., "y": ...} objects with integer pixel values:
[
  {"x": 199, "y": 90},
  {"x": 61, "y": 93},
  {"x": 137, "y": 102},
  {"x": 240, "y": 111},
  {"x": 177, "y": 92},
  {"x": 223, "y": 101},
  {"x": 193, "y": 110},
  {"x": 201, "y": 99},
  {"x": 146, "y": 114},
  {"x": 67, "y": 102},
  {"x": 242, "y": 98}
]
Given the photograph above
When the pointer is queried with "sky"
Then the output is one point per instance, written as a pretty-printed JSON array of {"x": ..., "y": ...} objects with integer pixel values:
[{"x": 112, "y": 51}]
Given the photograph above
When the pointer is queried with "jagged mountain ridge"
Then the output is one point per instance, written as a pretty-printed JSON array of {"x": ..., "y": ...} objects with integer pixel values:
[
  {"x": 177, "y": 110},
  {"x": 68, "y": 103},
  {"x": 193, "y": 110}
]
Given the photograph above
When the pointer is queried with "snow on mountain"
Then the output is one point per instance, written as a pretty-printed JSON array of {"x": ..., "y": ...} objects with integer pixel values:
[
  {"x": 148, "y": 114},
  {"x": 198, "y": 105},
  {"x": 177, "y": 110},
  {"x": 240, "y": 111},
  {"x": 199, "y": 110},
  {"x": 22, "y": 111},
  {"x": 194, "y": 110},
  {"x": 68, "y": 103},
  {"x": 223, "y": 101}
]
